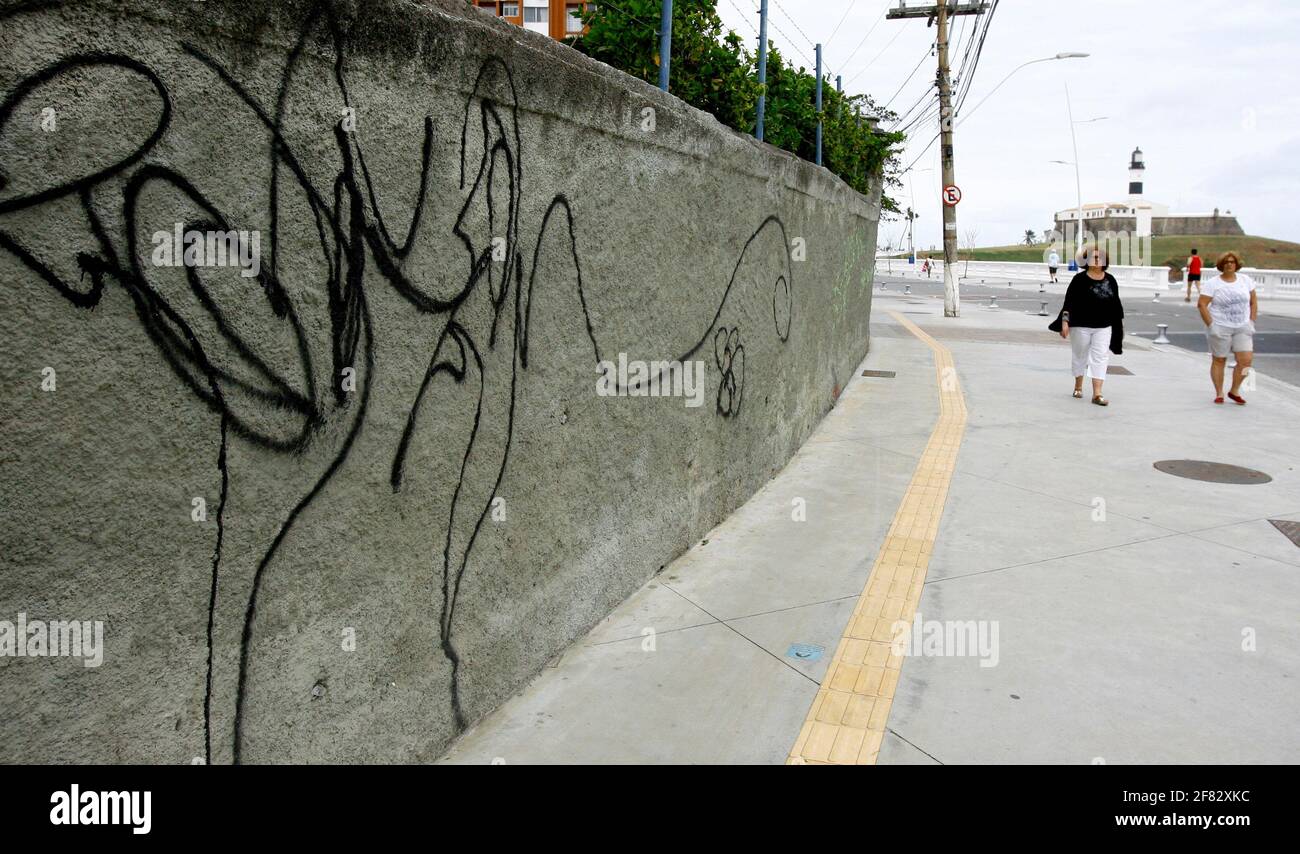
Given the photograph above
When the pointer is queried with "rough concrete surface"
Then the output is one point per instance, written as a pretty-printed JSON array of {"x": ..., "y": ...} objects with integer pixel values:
[{"x": 340, "y": 509}]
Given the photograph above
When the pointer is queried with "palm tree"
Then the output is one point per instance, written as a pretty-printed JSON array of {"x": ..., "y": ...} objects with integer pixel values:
[{"x": 1030, "y": 237}]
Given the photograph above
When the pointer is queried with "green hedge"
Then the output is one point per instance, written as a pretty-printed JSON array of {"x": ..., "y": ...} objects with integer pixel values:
[{"x": 713, "y": 70}]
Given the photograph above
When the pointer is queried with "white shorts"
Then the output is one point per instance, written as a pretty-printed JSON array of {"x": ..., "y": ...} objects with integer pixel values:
[
  {"x": 1230, "y": 339},
  {"x": 1090, "y": 349}
]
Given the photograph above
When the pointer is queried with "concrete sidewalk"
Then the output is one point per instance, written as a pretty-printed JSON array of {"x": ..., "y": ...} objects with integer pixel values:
[{"x": 1140, "y": 617}]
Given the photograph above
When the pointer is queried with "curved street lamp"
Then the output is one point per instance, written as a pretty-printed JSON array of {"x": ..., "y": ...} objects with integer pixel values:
[
  {"x": 1070, "y": 54},
  {"x": 1078, "y": 227}
]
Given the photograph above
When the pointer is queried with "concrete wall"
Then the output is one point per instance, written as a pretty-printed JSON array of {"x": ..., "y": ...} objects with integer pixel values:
[
  {"x": 1193, "y": 225},
  {"x": 339, "y": 510}
]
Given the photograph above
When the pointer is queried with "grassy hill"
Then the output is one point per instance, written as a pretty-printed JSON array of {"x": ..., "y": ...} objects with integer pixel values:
[{"x": 1262, "y": 252}]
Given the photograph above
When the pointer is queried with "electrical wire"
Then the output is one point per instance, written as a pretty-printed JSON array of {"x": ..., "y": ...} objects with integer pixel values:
[
  {"x": 742, "y": 15},
  {"x": 796, "y": 23},
  {"x": 924, "y": 57},
  {"x": 792, "y": 43},
  {"x": 871, "y": 30},
  {"x": 843, "y": 17},
  {"x": 979, "y": 50},
  {"x": 922, "y": 154},
  {"x": 898, "y": 32},
  {"x": 931, "y": 111},
  {"x": 906, "y": 114}
]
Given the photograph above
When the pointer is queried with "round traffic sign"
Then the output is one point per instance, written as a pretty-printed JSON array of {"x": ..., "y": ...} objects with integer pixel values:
[{"x": 951, "y": 195}]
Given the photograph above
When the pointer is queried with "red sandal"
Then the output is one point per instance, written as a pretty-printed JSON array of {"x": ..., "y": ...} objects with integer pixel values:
[
  {"x": 1218, "y": 400},
  {"x": 1237, "y": 399}
]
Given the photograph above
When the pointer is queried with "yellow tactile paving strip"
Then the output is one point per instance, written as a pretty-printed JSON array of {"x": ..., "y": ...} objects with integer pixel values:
[{"x": 846, "y": 723}]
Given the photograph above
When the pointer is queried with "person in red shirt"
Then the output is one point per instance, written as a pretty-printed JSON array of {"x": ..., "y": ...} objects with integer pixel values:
[{"x": 1193, "y": 275}]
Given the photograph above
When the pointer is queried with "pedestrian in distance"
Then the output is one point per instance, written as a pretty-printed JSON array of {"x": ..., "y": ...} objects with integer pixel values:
[
  {"x": 925, "y": 267},
  {"x": 1228, "y": 307},
  {"x": 1193, "y": 275},
  {"x": 1092, "y": 320},
  {"x": 1053, "y": 261}
]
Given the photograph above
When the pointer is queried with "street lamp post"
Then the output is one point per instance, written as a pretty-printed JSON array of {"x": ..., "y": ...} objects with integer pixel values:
[
  {"x": 911, "y": 214},
  {"x": 1063, "y": 55},
  {"x": 1078, "y": 226}
]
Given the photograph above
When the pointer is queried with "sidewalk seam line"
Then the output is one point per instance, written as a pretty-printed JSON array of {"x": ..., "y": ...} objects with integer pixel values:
[{"x": 756, "y": 644}]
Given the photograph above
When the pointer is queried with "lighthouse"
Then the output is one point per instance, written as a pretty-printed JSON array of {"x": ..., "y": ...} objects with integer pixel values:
[{"x": 1135, "y": 169}]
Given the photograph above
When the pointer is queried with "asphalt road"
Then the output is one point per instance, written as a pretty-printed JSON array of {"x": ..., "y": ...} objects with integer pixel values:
[{"x": 1277, "y": 338}]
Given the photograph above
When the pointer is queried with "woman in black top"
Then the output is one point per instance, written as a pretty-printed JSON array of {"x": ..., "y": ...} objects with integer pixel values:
[{"x": 1092, "y": 320}]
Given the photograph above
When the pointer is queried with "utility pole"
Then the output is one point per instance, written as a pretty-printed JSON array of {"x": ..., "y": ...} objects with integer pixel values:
[
  {"x": 939, "y": 13},
  {"x": 819, "y": 105},
  {"x": 665, "y": 42},
  {"x": 762, "y": 70}
]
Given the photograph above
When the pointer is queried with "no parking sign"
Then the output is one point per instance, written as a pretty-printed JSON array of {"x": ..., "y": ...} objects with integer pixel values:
[{"x": 951, "y": 195}]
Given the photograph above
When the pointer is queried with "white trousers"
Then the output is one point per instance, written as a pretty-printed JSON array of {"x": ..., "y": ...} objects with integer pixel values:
[{"x": 1090, "y": 350}]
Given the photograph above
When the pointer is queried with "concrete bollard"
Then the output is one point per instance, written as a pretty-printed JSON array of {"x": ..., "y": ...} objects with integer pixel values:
[
  {"x": 993, "y": 302},
  {"x": 1042, "y": 312},
  {"x": 907, "y": 289},
  {"x": 1042, "y": 287},
  {"x": 1162, "y": 338},
  {"x": 1157, "y": 299}
]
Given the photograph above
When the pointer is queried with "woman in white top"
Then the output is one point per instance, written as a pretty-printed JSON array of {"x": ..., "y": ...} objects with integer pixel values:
[{"x": 1228, "y": 307}]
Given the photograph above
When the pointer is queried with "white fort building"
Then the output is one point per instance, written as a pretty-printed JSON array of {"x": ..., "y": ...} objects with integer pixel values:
[{"x": 1140, "y": 217}]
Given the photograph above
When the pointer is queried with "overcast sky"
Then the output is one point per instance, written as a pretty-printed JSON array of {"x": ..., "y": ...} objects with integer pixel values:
[{"x": 1208, "y": 88}]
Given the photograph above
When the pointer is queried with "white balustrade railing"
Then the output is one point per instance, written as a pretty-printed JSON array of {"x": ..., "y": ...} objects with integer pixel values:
[{"x": 1272, "y": 284}]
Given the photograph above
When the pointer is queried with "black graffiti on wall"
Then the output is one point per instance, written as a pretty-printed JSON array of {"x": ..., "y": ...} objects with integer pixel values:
[{"x": 278, "y": 406}]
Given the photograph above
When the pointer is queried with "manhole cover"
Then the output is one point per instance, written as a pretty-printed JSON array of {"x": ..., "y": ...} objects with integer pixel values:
[
  {"x": 1211, "y": 472},
  {"x": 1290, "y": 529},
  {"x": 1119, "y": 371},
  {"x": 884, "y": 374}
]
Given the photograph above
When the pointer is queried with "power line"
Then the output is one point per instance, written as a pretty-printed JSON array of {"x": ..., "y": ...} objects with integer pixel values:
[
  {"x": 742, "y": 15},
  {"x": 793, "y": 21},
  {"x": 794, "y": 44},
  {"x": 903, "y": 116},
  {"x": 929, "y": 111},
  {"x": 847, "y": 9},
  {"x": 924, "y": 57},
  {"x": 871, "y": 30},
  {"x": 922, "y": 154},
  {"x": 972, "y": 37},
  {"x": 897, "y": 33},
  {"x": 979, "y": 50}
]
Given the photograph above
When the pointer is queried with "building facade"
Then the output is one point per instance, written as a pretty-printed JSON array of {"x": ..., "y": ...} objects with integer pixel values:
[
  {"x": 1140, "y": 217},
  {"x": 555, "y": 18}
]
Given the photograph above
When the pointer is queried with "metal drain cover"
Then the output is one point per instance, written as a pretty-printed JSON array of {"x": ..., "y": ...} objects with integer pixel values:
[
  {"x": 1291, "y": 530},
  {"x": 1212, "y": 472},
  {"x": 885, "y": 374},
  {"x": 805, "y": 651}
]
